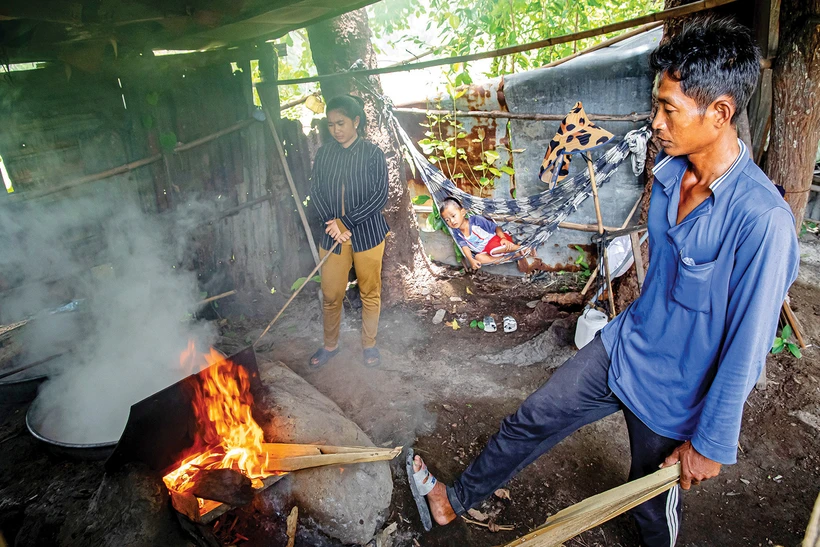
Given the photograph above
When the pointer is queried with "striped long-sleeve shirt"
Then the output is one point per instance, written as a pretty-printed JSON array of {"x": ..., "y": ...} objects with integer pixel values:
[{"x": 361, "y": 170}]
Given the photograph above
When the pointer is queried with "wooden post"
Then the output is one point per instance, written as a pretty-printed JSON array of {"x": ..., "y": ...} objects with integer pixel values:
[
  {"x": 608, "y": 276},
  {"x": 638, "y": 257},
  {"x": 301, "y": 210}
]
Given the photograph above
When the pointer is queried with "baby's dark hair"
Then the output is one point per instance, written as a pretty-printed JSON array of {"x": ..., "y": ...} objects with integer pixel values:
[
  {"x": 351, "y": 106},
  {"x": 712, "y": 56},
  {"x": 450, "y": 202}
]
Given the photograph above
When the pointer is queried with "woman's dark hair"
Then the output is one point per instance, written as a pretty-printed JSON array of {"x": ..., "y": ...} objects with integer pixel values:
[
  {"x": 351, "y": 106},
  {"x": 711, "y": 57}
]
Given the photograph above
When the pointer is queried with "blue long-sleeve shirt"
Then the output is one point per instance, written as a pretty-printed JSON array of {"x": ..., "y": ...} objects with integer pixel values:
[
  {"x": 686, "y": 354},
  {"x": 357, "y": 176}
]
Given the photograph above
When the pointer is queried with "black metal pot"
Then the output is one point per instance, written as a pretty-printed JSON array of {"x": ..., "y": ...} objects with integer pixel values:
[{"x": 73, "y": 451}]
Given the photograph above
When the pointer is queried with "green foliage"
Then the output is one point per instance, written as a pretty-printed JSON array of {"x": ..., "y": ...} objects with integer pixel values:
[
  {"x": 581, "y": 260},
  {"x": 168, "y": 141},
  {"x": 445, "y": 140},
  {"x": 298, "y": 63},
  {"x": 477, "y": 324},
  {"x": 808, "y": 227},
  {"x": 302, "y": 280},
  {"x": 420, "y": 200},
  {"x": 471, "y": 26},
  {"x": 782, "y": 342}
]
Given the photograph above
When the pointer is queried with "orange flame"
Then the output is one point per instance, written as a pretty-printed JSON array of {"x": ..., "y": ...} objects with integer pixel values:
[{"x": 228, "y": 436}]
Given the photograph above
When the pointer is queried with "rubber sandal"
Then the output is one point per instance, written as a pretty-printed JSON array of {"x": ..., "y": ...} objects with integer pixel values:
[
  {"x": 489, "y": 324},
  {"x": 420, "y": 489},
  {"x": 322, "y": 356},
  {"x": 372, "y": 353},
  {"x": 510, "y": 324}
]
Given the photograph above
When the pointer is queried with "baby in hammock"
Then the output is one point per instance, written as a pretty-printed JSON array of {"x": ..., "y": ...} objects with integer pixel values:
[{"x": 481, "y": 240}]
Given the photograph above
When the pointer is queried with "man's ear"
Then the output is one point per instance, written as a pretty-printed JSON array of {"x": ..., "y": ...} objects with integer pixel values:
[{"x": 724, "y": 109}]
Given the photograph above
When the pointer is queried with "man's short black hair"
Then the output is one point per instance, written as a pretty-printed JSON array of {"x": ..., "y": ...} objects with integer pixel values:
[{"x": 711, "y": 57}]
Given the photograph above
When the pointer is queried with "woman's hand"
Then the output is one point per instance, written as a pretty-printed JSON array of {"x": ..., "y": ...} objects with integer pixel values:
[{"x": 332, "y": 229}]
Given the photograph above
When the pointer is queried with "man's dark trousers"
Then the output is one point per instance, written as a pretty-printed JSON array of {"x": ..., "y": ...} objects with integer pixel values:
[{"x": 575, "y": 395}]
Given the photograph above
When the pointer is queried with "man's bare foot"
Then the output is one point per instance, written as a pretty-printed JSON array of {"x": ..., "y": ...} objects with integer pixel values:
[{"x": 440, "y": 507}]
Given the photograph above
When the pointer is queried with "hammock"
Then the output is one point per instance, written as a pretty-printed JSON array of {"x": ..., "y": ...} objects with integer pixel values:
[{"x": 530, "y": 220}]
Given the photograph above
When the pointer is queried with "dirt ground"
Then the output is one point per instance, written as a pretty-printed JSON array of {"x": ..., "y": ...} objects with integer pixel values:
[{"x": 433, "y": 391}]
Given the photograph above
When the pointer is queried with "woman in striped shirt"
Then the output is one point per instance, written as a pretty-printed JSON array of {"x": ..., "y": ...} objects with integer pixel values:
[{"x": 349, "y": 191}]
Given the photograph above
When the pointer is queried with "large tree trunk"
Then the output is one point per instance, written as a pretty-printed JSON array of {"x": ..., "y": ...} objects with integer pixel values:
[
  {"x": 336, "y": 44},
  {"x": 795, "y": 115}
]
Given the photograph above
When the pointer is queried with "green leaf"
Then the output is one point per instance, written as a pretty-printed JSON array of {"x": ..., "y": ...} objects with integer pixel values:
[
  {"x": 480, "y": 325},
  {"x": 777, "y": 349},
  {"x": 491, "y": 156},
  {"x": 454, "y": 21},
  {"x": 507, "y": 169},
  {"x": 420, "y": 200},
  {"x": 461, "y": 135},
  {"x": 148, "y": 121},
  {"x": 473, "y": 323},
  {"x": 794, "y": 349},
  {"x": 168, "y": 141},
  {"x": 298, "y": 283},
  {"x": 152, "y": 98},
  {"x": 786, "y": 333},
  {"x": 316, "y": 278},
  {"x": 495, "y": 171},
  {"x": 484, "y": 181}
]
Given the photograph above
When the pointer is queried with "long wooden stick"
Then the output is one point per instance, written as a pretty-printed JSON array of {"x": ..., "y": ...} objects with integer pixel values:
[
  {"x": 591, "y": 169},
  {"x": 634, "y": 117},
  {"x": 310, "y": 275},
  {"x": 598, "y": 509},
  {"x": 605, "y": 43},
  {"x": 132, "y": 165},
  {"x": 552, "y": 41},
  {"x": 217, "y": 297},
  {"x": 292, "y": 185},
  {"x": 796, "y": 327}
]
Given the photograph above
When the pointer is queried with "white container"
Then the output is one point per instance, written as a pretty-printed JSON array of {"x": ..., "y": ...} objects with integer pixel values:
[{"x": 590, "y": 322}]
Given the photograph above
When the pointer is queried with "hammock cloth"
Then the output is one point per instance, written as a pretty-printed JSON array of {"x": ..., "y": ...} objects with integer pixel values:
[{"x": 530, "y": 220}]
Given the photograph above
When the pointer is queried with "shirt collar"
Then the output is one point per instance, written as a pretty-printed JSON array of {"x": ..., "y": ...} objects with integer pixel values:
[
  {"x": 670, "y": 168},
  {"x": 352, "y": 148}
]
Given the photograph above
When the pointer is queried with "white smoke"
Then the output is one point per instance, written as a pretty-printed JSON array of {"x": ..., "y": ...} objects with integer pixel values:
[{"x": 135, "y": 316}]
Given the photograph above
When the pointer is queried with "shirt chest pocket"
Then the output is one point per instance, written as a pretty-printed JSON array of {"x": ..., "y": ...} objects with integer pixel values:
[{"x": 693, "y": 283}]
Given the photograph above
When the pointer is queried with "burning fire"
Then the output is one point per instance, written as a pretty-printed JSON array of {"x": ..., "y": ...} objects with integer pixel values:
[{"x": 228, "y": 436}]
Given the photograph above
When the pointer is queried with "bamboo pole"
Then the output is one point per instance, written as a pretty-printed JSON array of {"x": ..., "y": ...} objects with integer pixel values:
[
  {"x": 131, "y": 166},
  {"x": 605, "y": 29},
  {"x": 634, "y": 117},
  {"x": 289, "y": 177},
  {"x": 217, "y": 297},
  {"x": 596, "y": 510},
  {"x": 610, "y": 294},
  {"x": 606, "y": 43},
  {"x": 310, "y": 275}
]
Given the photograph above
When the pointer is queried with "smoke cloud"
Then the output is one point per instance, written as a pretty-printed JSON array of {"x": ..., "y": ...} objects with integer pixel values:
[{"x": 127, "y": 270}]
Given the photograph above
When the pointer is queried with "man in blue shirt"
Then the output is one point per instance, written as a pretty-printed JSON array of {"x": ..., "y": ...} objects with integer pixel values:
[{"x": 681, "y": 360}]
